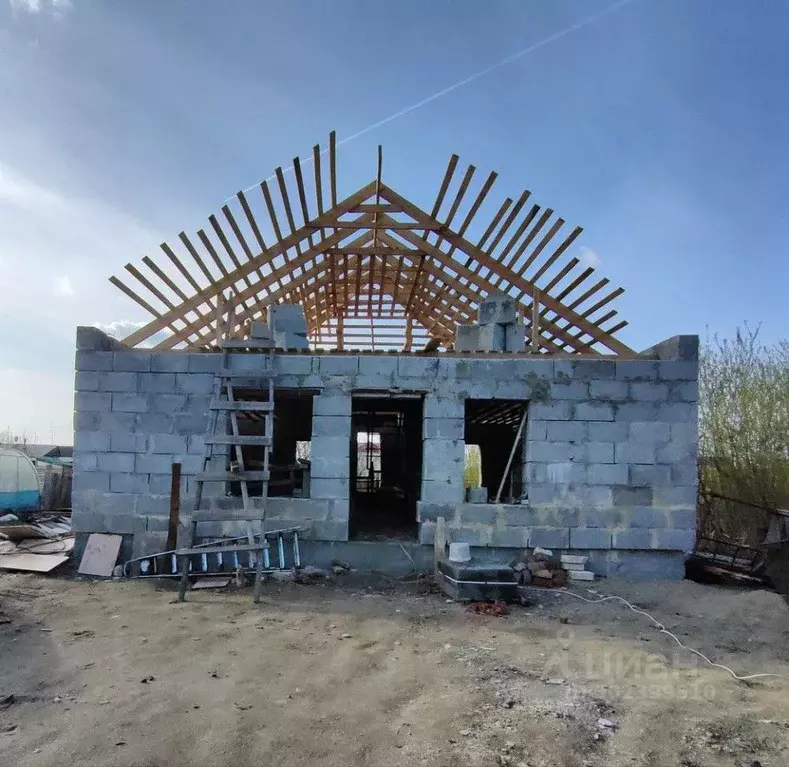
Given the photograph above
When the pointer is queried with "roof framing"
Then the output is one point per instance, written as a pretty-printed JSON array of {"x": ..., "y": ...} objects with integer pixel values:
[{"x": 374, "y": 270}]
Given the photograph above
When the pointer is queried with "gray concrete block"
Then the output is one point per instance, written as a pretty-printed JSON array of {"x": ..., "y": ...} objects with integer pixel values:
[
  {"x": 443, "y": 428},
  {"x": 253, "y": 364},
  {"x": 157, "y": 383},
  {"x": 86, "y": 421},
  {"x": 169, "y": 362},
  {"x": 515, "y": 337},
  {"x": 156, "y": 505},
  {"x": 551, "y": 411},
  {"x": 122, "y": 462},
  {"x": 417, "y": 367},
  {"x": 649, "y": 431},
  {"x": 511, "y": 537},
  {"x": 129, "y": 403},
  {"x": 603, "y": 517},
  {"x": 448, "y": 490},
  {"x": 329, "y": 487},
  {"x": 572, "y": 391},
  {"x": 153, "y": 464},
  {"x": 474, "y": 536},
  {"x": 207, "y": 362},
  {"x": 466, "y": 338},
  {"x": 605, "y": 431},
  {"x": 519, "y": 516},
  {"x": 675, "y": 370},
  {"x": 593, "y": 411},
  {"x": 684, "y": 391},
  {"x": 86, "y": 380},
  {"x": 161, "y": 484},
  {"x": 293, "y": 364},
  {"x": 634, "y": 452},
  {"x": 194, "y": 383},
  {"x": 185, "y": 424},
  {"x": 331, "y": 426},
  {"x": 631, "y": 538},
  {"x": 537, "y": 431},
  {"x": 93, "y": 338},
  {"x": 328, "y": 465},
  {"x": 648, "y": 392},
  {"x": 641, "y": 475},
  {"x": 674, "y": 540},
  {"x": 127, "y": 482},
  {"x": 515, "y": 389},
  {"x": 678, "y": 495},
  {"x": 167, "y": 443},
  {"x": 628, "y": 412},
  {"x": 685, "y": 432},
  {"x": 112, "y": 422},
  {"x": 645, "y": 565},
  {"x": 339, "y": 509},
  {"x": 440, "y": 456},
  {"x": 443, "y": 407},
  {"x": 632, "y": 496},
  {"x": 476, "y": 513},
  {"x": 600, "y": 452},
  {"x": 91, "y": 481},
  {"x": 427, "y": 533},
  {"x": 565, "y": 473},
  {"x": 85, "y": 521},
  {"x": 684, "y": 472},
  {"x": 609, "y": 390},
  {"x": 167, "y": 403},
  {"x": 199, "y": 404},
  {"x": 336, "y": 364},
  {"x": 543, "y": 492},
  {"x": 497, "y": 307},
  {"x": 476, "y": 494},
  {"x": 331, "y": 404},
  {"x": 330, "y": 530},
  {"x": 648, "y": 517},
  {"x": 636, "y": 370},
  {"x": 118, "y": 382},
  {"x": 287, "y": 317},
  {"x": 149, "y": 422},
  {"x": 195, "y": 444},
  {"x": 298, "y": 509},
  {"x": 492, "y": 338},
  {"x": 607, "y": 474},
  {"x": 682, "y": 519},
  {"x": 190, "y": 464},
  {"x": 95, "y": 402},
  {"x": 677, "y": 411},
  {"x": 93, "y": 360},
  {"x": 550, "y": 537},
  {"x": 91, "y": 440},
  {"x": 589, "y": 538},
  {"x": 591, "y": 370},
  {"x": 122, "y": 524},
  {"x": 331, "y": 446},
  {"x": 134, "y": 360},
  {"x": 567, "y": 431},
  {"x": 430, "y": 512}
]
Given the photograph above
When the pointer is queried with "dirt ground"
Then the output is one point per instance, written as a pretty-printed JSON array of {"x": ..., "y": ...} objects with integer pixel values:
[{"x": 355, "y": 672}]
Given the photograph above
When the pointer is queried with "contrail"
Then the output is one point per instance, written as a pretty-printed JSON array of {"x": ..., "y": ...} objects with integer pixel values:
[{"x": 471, "y": 78}]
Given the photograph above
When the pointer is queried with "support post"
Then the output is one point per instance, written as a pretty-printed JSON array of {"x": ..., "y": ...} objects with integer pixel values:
[
  {"x": 175, "y": 508},
  {"x": 535, "y": 322},
  {"x": 512, "y": 455}
]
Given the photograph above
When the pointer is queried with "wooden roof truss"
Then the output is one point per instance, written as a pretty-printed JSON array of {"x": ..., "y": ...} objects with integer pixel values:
[{"x": 373, "y": 270}]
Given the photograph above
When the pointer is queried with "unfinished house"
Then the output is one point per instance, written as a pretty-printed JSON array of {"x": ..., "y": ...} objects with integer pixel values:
[{"x": 427, "y": 362}]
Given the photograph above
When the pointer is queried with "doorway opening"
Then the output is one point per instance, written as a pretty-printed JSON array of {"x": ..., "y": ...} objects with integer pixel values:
[
  {"x": 494, "y": 434},
  {"x": 386, "y": 466}
]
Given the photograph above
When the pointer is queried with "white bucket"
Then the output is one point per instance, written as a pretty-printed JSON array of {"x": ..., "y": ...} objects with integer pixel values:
[{"x": 459, "y": 552}]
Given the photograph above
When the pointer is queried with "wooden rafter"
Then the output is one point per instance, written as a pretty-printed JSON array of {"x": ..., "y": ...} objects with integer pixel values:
[{"x": 377, "y": 258}]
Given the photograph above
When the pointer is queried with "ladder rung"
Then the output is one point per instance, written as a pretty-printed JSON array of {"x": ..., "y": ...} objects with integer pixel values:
[
  {"x": 246, "y": 343},
  {"x": 233, "y": 439},
  {"x": 228, "y": 373},
  {"x": 241, "y": 406},
  {"x": 233, "y": 476}
]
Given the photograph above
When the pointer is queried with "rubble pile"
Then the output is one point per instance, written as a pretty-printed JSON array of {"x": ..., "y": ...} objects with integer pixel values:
[{"x": 540, "y": 567}]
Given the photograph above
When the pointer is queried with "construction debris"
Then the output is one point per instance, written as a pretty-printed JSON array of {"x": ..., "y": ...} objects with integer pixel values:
[
  {"x": 38, "y": 545},
  {"x": 539, "y": 567}
]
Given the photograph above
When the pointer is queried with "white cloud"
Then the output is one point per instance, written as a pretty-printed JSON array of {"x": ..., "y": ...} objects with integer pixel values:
[
  {"x": 588, "y": 257},
  {"x": 63, "y": 287},
  {"x": 37, "y": 6}
]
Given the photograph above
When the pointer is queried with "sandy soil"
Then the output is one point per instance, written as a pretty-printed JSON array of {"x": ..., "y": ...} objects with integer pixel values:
[{"x": 350, "y": 672}]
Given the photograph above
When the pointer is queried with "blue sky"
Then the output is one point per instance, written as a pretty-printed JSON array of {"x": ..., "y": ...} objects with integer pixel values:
[{"x": 660, "y": 127}]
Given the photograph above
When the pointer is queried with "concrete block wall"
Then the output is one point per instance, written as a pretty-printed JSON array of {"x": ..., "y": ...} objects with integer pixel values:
[{"x": 610, "y": 451}]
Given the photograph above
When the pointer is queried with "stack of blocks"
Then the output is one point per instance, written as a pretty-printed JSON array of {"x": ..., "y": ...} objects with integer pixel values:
[
  {"x": 499, "y": 327},
  {"x": 288, "y": 326}
]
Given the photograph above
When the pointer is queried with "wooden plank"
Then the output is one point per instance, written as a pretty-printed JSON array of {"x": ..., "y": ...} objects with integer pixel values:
[
  {"x": 333, "y": 167},
  {"x": 211, "y": 583},
  {"x": 175, "y": 507},
  {"x": 235, "y": 439},
  {"x": 100, "y": 555},
  {"x": 232, "y": 476},
  {"x": 243, "y": 406},
  {"x": 33, "y": 563},
  {"x": 251, "y": 220}
]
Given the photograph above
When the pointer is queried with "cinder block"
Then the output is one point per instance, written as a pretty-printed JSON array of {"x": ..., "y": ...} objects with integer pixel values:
[
  {"x": 327, "y": 465},
  {"x": 474, "y": 536},
  {"x": 427, "y": 533},
  {"x": 677, "y": 411},
  {"x": 448, "y": 490},
  {"x": 551, "y": 411},
  {"x": 287, "y": 317},
  {"x": 430, "y": 512},
  {"x": 510, "y": 537},
  {"x": 570, "y": 390},
  {"x": 134, "y": 360},
  {"x": 90, "y": 481},
  {"x": 93, "y": 360},
  {"x": 154, "y": 505},
  {"x": 85, "y": 462},
  {"x": 86, "y": 380},
  {"x": 329, "y": 487},
  {"x": 492, "y": 338},
  {"x": 123, "y": 462},
  {"x": 259, "y": 329},
  {"x": 122, "y": 524},
  {"x": 649, "y": 392},
  {"x": 332, "y": 404},
  {"x": 593, "y": 411},
  {"x": 674, "y": 540},
  {"x": 86, "y": 421},
  {"x": 91, "y": 440},
  {"x": 641, "y": 475},
  {"x": 112, "y": 422},
  {"x": 682, "y": 519},
  {"x": 443, "y": 428},
  {"x": 603, "y": 517},
  {"x": 195, "y": 444},
  {"x": 548, "y": 452},
  {"x": 466, "y": 338},
  {"x": 589, "y": 538},
  {"x": 118, "y": 382},
  {"x": 675, "y": 370},
  {"x": 157, "y": 383},
  {"x": 636, "y": 370},
  {"x": 476, "y": 513},
  {"x": 592, "y": 370},
  {"x": 293, "y": 365},
  {"x": 497, "y": 307},
  {"x": 169, "y": 362},
  {"x": 417, "y": 367},
  {"x": 684, "y": 391},
  {"x": 162, "y": 484},
  {"x": 628, "y": 412},
  {"x": 443, "y": 407},
  {"x": 600, "y": 452},
  {"x": 331, "y": 426},
  {"x": 298, "y": 509},
  {"x": 206, "y": 362},
  {"x": 85, "y": 521},
  {"x": 339, "y": 509},
  {"x": 565, "y": 473},
  {"x": 129, "y": 403},
  {"x": 604, "y": 431},
  {"x": 153, "y": 464},
  {"x": 190, "y": 464},
  {"x": 634, "y": 452},
  {"x": 149, "y": 422},
  {"x": 253, "y": 364},
  {"x": 167, "y": 443},
  {"x": 338, "y": 365},
  {"x": 515, "y": 337},
  {"x": 649, "y": 431},
  {"x": 185, "y": 424},
  {"x": 608, "y": 390},
  {"x": 566, "y": 431},
  {"x": 676, "y": 495},
  {"x": 631, "y": 538},
  {"x": 648, "y": 517},
  {"x": 330, "y": 530},
  {"x": 543, "y": 493},
  {"x": 126, "y": 482},
  {"x": 167, "y": 403},
  {"x": 194, "y": 383},
  {"x": 607, "y": 474},
  {"x": 684, "y": 472},
  {"x": 331, "y": 446},
  {"x": 550, "y": 537},
  {"x": 632, "y": 496}
]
